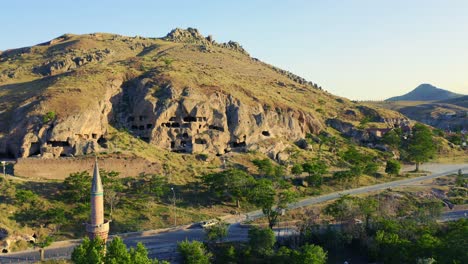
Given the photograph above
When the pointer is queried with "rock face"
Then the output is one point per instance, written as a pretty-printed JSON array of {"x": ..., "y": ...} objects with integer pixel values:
[
  {"x": 76, "y": 133},
  {"x": 184, "y": 120}
]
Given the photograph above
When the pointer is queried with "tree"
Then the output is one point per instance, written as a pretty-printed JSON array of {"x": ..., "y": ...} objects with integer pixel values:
[
  {"x": 116, "y": 252},
  {"x": 139, "y": 255},
  {"x": 232, "y": 183},
  {"x": 89, "y": 251},
  {"x": 392, "y": 139},
  {"x": 310, "y": 254},
  {"x": 371, "y": 168},
  {"x": 343, "y": 209},
  {"x": 264, "y": 196},
  {"x": 266, "y": 168},
  {"x": 368, "y": 208},
  {"x": 316, "y": 169},
  {"x": 217, "y": 232},
  {"x": 194, "y": 252},
  {"x": 262, "y": 240},
  {"x": 393, "y": 167},
  {"x": 25, "y": 197},
  {"x": 420, "y": 146},
  {"x": 297, "y": 170},
  {"x": 42, "y": 242},
  {"x": 94, "y": 251},
  {"x": 77, "y": 187}
]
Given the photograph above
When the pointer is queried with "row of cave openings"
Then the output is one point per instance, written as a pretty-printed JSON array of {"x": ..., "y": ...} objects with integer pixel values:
[{"x": 35, "y": 147}]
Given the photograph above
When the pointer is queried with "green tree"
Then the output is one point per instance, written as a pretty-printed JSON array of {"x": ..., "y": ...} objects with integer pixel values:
[
  {"x": 49, "y": 116},
  {"x": 116, "y": 252},
  {"x": 393, "y": 167},
  {"x": 89, "y": 251},
  {"x": 194, "y": 252},
  {"x": 264, "y": 196},
  {"x": 231, "y": 183},
  {"x": 371, "y": 168},
  {"x": 297, "y": 170},
  {"x": 343, "y": 209},
  {"x": 310, "y": 254},
  {"x": 420, "y": 146},
  {"x": 368, "y": 208},
  {"x": 42, "y": 242},
  {"x": 77, "y": 187},
  {"x": 217, "y": 232},
  {"x": 392, "y": 139},
  {"x": 266, "y": 168},
  {"x": 139, "y": 255},
  {"x": 316, "y": 169},
  {"x": 261, "y": 241},
  {"x": 25, "y": 197},
  {"x": 392, "y": 247}
]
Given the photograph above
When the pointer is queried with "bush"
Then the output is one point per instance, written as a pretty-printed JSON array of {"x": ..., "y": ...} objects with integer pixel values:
[
  {"x": 393, "y": 167},
  {"x": 48, "y": 116},
  {"x": 193, "y": 252},
  {"x": 262, "y": 240}
]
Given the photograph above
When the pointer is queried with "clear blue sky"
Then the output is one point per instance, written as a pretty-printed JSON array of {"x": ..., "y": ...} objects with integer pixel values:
[{"x": 358, "y": 49}]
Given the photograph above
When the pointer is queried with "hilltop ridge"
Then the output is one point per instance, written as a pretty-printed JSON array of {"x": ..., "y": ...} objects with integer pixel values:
[{"x": 182, "y": 93}]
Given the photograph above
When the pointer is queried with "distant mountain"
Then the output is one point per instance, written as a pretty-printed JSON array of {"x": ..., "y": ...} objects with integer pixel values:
[{"x": 426, "y": 92}]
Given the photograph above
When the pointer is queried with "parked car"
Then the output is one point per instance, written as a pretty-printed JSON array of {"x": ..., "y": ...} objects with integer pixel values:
[{"x": 209, "y": 223}]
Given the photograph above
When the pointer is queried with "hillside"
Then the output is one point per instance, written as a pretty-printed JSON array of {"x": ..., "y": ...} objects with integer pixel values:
[
  {"x": 425, "y": 92},
  {"x": 459, "y": 101},
  {"x": 79, "y": 94}
]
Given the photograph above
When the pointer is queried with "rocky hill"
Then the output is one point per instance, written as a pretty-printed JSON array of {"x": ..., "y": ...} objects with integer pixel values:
[
  {"x": 183, "y": 92},
  {"x": 425, "y": 92}
]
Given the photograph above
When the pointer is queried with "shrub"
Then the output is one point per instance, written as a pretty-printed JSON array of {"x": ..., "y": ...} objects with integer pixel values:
[
  {"x": 393, "y": 167},
  {"x": 262, "y": 240},
  {"x": 48, "y": 116},
  {"x": 193, "y": 252}
]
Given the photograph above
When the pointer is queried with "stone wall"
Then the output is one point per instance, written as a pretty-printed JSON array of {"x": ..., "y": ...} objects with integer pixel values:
[{"x": 60, "y": 168}]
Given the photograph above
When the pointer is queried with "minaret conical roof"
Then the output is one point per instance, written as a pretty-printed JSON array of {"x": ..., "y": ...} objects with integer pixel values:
[{"x": 96, "y": 187}]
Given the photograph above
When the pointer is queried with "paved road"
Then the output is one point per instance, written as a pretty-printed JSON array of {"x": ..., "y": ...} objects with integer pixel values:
[{"x": 162, "y": 245}]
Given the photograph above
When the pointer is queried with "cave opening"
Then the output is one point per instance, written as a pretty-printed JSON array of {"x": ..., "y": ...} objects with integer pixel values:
[
  {"x": 58, "y": 143},
  {"x": 200, "y": 141},
  {"x": 175, "y": 124},
  {"x": 238, "y": 144},
  {"x": 266, "y": 133},
  {"x": 102, "y": 142},
  {"x": 190, "y": 119},
  {"x": 35, "y": 149},
  {"x": 185, "y": 135},
  {"x": 216, "y": 128}
]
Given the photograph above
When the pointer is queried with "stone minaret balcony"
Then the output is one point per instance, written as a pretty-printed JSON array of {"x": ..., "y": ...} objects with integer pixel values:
[{"x": 97, "y": 226}]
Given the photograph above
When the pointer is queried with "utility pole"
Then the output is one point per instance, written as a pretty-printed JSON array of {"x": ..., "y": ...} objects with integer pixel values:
[{"x": 174, "y": 206}]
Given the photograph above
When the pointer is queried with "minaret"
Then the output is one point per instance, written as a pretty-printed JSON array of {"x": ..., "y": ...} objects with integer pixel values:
[{"x": 97, "y": 226}]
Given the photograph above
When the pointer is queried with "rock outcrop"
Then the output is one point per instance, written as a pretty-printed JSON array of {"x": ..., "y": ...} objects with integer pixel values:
[{"x": 184, "y": 120}]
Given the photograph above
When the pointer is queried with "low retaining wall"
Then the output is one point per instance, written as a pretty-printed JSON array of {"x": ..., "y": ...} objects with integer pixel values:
[{"x": 60, "y": 168}]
